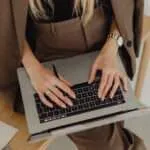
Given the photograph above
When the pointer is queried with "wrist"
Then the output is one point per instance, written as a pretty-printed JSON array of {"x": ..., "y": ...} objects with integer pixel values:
[
  {"x": 110, "y": 47},
  {"x": 112, "y": 43},
  {"x": 117, "y": 38},
  {"x": 30, "y": 62}
]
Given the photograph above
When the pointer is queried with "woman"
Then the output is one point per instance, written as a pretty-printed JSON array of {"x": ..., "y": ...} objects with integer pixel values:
[
  {"x": 85, "y": 24},
  {"x": 82, "y": 35}
]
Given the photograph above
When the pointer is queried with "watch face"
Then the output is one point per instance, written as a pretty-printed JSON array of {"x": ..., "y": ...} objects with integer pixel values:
[{"x": 120, "y": 41}]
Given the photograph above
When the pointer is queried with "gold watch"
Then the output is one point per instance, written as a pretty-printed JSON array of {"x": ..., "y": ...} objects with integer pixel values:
[{"x": 119, "y": 39}]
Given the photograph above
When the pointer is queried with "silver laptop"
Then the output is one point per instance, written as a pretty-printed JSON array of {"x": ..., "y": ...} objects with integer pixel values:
[{"x": 76, "y": 70}]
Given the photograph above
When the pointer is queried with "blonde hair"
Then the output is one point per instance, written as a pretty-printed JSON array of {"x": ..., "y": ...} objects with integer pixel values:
[
  {"x": 88, "y": 9},
  {"x": 86, "y": 5}
]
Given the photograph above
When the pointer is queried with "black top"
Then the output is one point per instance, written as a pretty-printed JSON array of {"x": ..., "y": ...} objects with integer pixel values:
[{"x": 63, "y": 10}]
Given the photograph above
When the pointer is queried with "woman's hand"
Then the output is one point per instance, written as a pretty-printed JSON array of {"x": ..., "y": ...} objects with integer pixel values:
[
  {"x": 111, "y": 75},
  {"x": 45, "y": 82}
]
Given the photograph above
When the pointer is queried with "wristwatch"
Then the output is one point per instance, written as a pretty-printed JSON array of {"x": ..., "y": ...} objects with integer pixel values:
[{"x": 119, "y": 39}]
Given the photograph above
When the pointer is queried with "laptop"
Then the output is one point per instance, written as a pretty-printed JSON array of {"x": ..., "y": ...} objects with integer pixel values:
[{"x": 88, "y": 110}]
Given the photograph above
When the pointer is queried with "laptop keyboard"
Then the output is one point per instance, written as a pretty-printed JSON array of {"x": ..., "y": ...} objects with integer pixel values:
[{"x": 86, "y": 100}]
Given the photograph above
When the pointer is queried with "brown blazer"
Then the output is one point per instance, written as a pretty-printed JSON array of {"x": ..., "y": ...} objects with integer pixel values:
[{"x": 128, "y": 15}]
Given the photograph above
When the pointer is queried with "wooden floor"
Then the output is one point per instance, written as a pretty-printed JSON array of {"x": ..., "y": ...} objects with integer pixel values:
[{"x": 17, "y": 120}]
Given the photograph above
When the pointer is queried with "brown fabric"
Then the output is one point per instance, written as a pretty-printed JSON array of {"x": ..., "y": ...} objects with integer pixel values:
[
  {"x": 9, "y": 50},
  {"x": 12, "y": 27},
  {"x": 53, "y": 42},
  {"x": 105, "y": 138},
  {"x": 129, "y": 16},
  {"x": 109, "y": 137},
  {"x": 133, "y": 142}
]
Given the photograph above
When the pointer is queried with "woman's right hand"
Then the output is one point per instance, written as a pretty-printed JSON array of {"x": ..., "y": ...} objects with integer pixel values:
[{"x": 45, "y": 82}]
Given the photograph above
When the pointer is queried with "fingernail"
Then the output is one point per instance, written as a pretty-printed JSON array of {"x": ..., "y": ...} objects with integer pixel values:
[
  {"x": 70, "y": 104},
  {"x": 99, "y": 95},
  {"x": 102, "y": 98},
  {"x": 64, "y": 106},
  {"x": 51, "y": 106},
  {"x": 125, "y": 90},
  {"x": 74, "y": 96},
  {"x": 89, "y": 82}
]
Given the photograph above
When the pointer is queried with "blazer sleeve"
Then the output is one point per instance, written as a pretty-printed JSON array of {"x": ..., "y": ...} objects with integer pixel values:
[
  {"x": 129, "y": 18},
  {"x": 12, "y": 30},
  {"x": 138, "y": 25}
]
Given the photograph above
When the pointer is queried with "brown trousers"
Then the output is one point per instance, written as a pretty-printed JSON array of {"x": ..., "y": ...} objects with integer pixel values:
[{"x": 68, "y": 38}]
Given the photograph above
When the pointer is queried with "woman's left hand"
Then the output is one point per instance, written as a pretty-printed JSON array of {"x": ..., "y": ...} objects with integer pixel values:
[{"x": 111, "y": 74}]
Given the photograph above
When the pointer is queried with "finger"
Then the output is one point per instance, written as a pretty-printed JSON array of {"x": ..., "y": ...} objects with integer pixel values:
[
  {"x": 102, "y": 84},
  {"x": 66, "y": 89},
  {"x": 68, "y": 101},
  {"x": 65, "y": 81},
  {"x": 44, "y": 100},
  {"x": 92, "y": 74},
  {"x": 60, "y": 95},
  {"x": 55, "y": 100},
  {"x": 124, "y": 82},
  {"x": 108, "y": 85},
  {"x": 115, "y": 86}
]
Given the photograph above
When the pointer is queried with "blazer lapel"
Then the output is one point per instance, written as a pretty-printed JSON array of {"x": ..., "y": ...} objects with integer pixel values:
[
  {"x": 123, "y": 11},
  {"x": 19, "y": 8}
]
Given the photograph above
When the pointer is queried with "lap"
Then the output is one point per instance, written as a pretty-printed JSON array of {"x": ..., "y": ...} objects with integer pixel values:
[{"x": 108, "y": 137}]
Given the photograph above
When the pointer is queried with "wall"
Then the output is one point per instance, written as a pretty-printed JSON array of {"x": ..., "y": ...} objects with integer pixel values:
[{"x": 147, "y": 7}]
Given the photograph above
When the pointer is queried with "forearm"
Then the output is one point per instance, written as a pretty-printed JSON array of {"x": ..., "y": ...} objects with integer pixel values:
[
  {"x": 114, "y": 28},
  {"x": 110, "y": 42},
  {"x": 29, "y": 60}
]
